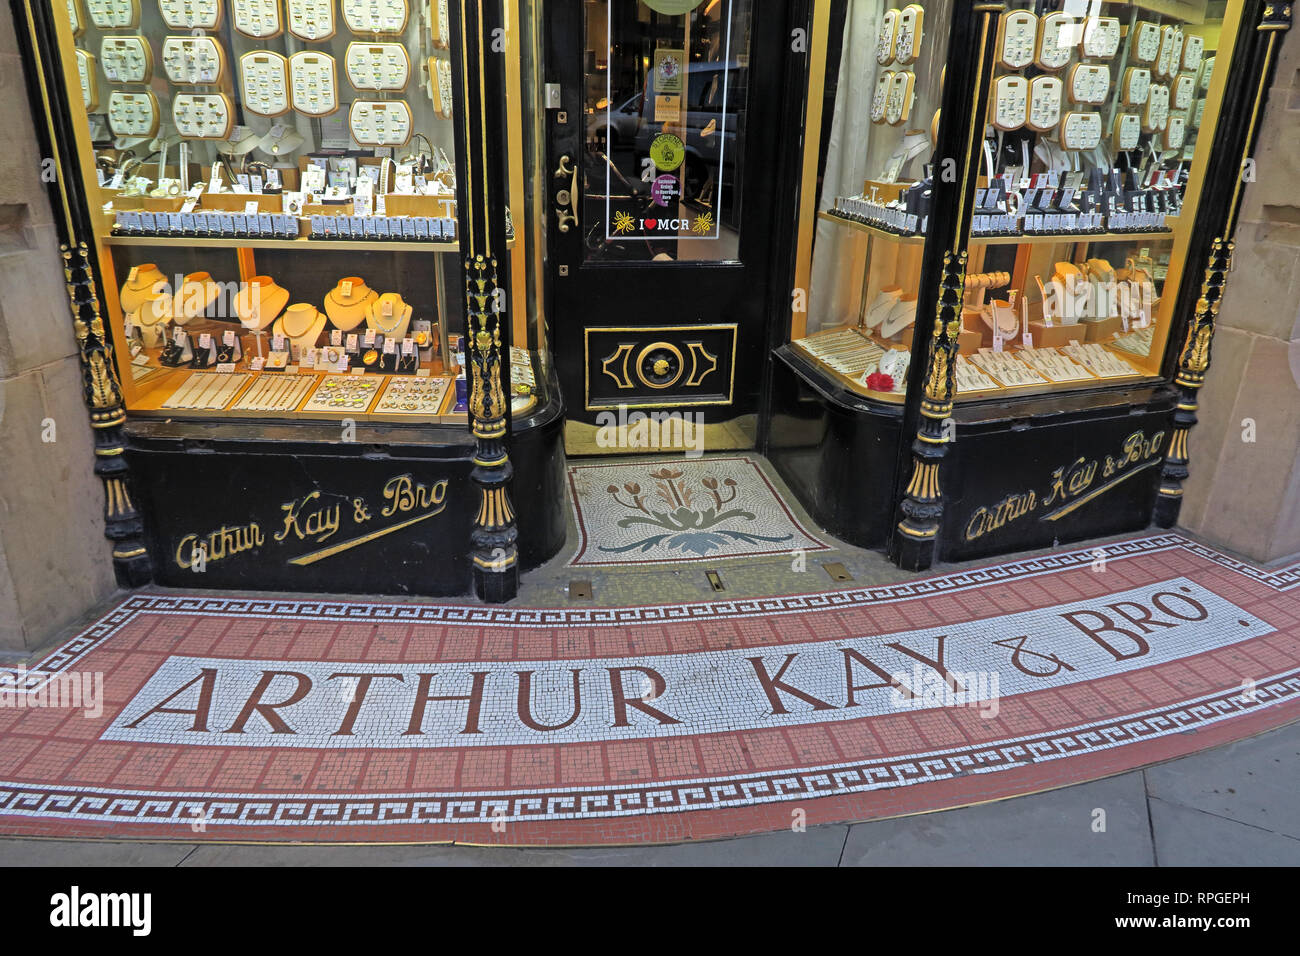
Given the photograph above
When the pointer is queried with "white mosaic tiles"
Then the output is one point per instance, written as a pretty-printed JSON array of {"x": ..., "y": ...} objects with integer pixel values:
[{"x": 336, "y": 705}]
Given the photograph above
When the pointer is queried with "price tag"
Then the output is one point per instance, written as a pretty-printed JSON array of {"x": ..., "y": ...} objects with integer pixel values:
[
  {"x": 361, "y": 370},
  {"x": 257, "y": 364},
  {"x": 336, "y": 338},
  {"x": 369, "y": 338},
  {"x": 352, "y": 342},
  {"x": 250, "y": 208},
  {"x": 225, "y": 367},
  {"x": 390, "y": 347}
]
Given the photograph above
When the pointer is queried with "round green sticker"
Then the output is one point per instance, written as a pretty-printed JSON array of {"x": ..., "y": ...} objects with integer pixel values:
[
  {"x": 667, "y": 152},
  {"x": 673, "y": 8}
]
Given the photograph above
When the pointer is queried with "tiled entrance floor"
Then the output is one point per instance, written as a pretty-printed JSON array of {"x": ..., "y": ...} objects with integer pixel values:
[{"x": 241, "y": 718}]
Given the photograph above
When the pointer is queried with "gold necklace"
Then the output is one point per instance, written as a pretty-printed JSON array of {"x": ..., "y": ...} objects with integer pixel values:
[
  {"x": 360, "y": 297},
  {"x": 284, "y": 325}
]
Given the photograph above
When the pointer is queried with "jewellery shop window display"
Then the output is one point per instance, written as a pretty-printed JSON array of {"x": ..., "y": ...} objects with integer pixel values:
[
  {"x": 264, "y": 168},
  {"x": 272, "y": 193},
  {"x": 1098, "y": 127}
]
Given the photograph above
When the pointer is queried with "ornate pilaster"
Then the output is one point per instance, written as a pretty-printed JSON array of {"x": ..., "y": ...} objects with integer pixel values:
[
  {"x": 968, "y": 77},
  {"x": 102, "y": 390},
  {"x": 478, "y": 61},
  {"x": 1242, "y": 110},
  {"x": 103, "y": 396}
]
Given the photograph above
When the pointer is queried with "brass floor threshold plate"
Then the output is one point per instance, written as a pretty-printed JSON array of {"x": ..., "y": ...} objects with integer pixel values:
[
  {"x": 837, "y": 571},
  {"x": 715, "y": 581},
  {"x": 579, "y": 590}
]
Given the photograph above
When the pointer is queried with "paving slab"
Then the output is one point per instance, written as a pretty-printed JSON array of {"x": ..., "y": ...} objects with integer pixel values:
[
  {"x": 1046, "y": 829},
  {"x": 1188, "y": 837}
]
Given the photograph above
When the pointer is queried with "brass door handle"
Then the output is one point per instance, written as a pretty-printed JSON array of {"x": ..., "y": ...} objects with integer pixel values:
[{"x": 567, "y": 197}]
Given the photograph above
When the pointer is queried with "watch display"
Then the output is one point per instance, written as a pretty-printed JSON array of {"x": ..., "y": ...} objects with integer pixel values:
[
  {"x": 126, "y": 59},
  {"x": 1056, "y": 41},
  {"x": 377, "y": 66},
  {"x": 440, "y": 86},
  {"x": 898, "y": 104},
  {"x": 264, "y": 82},
  {"x": 76, "y": 19},
  {"x": 1010, "y": 102},
  {"x": 89, "y": 80},
  {"x": 1101, "y": 37},
  {"x": 1193, "y": 51},
  {"x": 311, "y": 20},
  {"x": 1135, "y": 86},
  {"x": 1044, "y": 103},
  {"x": 1184, "y": 91},
  {"x": 380, "y": 123},
  {"x": 190, "y": 14},
  {"x": 203, "y": 115},
  {"x": 1207, "y": 72},
  {"x": 1156, "y": 116},
  {"x": 1081, "y": 131},
  {"x": 1144, "y": 42},
  {"x": 313, "y": 84},
  {"x": 1127, "y": 132},
  {"x": 1089, "y": 83},
  {"x": 1171, "y": 51},
  {"x": 114, "y": 14},
  {"x": 193, "y": 60},
  {"x": 907, "y": 44},
  {"x": 441, "y": 26},
  {"x": 885, "y": 40},
  {"x": 881, "y": 95},
  {"x": 133, "y": 114},
  {"x": 1176, "y": 131},
  {"x": 1017, "y": 33},
  {"x": 259, "y": 19},
  {"x": 375, "y": 16}
]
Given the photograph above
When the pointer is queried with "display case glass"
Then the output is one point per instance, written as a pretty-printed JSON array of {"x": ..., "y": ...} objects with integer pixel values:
[
  {"x": 273, "y": 189},
  {"x": 1097, "y": 135}
]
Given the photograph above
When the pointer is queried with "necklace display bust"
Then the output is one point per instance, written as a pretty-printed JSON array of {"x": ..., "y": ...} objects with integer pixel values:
[
  {"x": 346, "y": 304},
  {"x": 389, "y": 316},
  {"x": 259, "y": 302}
]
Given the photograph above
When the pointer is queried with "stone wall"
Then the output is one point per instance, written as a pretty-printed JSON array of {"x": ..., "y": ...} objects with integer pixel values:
[
  {"x": 1245, "y": 494},
  {"x": 54, "y": 560}
]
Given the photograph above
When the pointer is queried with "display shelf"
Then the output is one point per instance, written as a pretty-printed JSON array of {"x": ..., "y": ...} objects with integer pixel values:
[
  {"x": 302, "y": 243},
  {"x": 1030, "y": 239}
]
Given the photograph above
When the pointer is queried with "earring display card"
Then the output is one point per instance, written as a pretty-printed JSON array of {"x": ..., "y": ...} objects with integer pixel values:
[
  {"x": 311, "y": 20},
  {"x": 194, "y": 61},
  {"x": 265, "y": 83},
  {"x": 114, "y": 14},
  {"x": 259, "y": 19},
  {"x": 376, "y": 17},
  {"x": 380, "y": 122},
  {"x": 203, "y": 115},
  {"x": 126, "y": 59},
  {"x": 190, "y": 14},
  {"x": 378, "y": 66},
  {"x": 133, "y": 114},
  {"x": 315, "y": 89}
]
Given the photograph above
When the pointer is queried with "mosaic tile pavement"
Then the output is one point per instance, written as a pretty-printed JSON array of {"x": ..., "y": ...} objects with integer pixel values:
[
  {"x": 255, "y": 719},
  {"x": 680, "y": 511}
]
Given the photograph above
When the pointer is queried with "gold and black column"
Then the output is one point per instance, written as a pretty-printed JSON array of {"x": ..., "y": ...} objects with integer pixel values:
[
  {"x": 1254, "y": 61},
  {"x": 478, "y": 61},
  {"x": 102, "y": 388},
  {"x": 932, "y": 376}
]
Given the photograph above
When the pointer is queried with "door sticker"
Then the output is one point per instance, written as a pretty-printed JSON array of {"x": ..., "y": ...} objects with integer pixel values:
[{"x": 668, "y": 152}]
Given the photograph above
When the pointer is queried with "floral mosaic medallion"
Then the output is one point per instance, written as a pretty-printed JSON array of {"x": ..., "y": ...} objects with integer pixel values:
[{"x": 680, "y": 511}]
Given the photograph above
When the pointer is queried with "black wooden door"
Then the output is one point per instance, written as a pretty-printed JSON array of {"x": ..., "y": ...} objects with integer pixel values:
[{"x": 662, "y": 146}]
